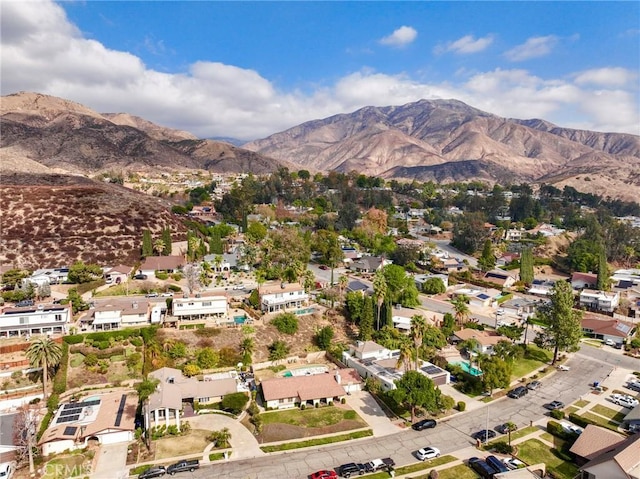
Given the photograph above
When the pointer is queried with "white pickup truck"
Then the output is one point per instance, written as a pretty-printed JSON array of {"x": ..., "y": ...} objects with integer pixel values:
[{"x": 384, "y": 464}]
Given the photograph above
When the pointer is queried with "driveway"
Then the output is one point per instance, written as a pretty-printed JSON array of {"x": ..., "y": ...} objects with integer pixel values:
[
  {"x": 244, "y": 443},
  {"x": 110, "y": 462},
  {"x": 372, "y": 413}
]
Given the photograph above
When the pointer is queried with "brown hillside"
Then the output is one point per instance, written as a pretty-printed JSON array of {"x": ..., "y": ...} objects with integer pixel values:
[{"x": 54, "y": 220}]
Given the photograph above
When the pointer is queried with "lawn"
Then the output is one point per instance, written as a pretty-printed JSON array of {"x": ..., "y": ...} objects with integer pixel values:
[
  {"x": 534, "y": 358},
  {"x": 456, "y": 472},
  {"x": 420, "y": 466},
  {"x": 321, "y": 417},
  {"x": 75, "y": 465},
  {"x": 514, "y": 435},
  {"x": 534, "y": 451},
  {"x": 581, "y": 403},
  {"x": 77, "y": 360},
  {"x": 601, "y": 421},
  {"x": 593, "y": 342},
  {"x": 191, "y": 443},
  {"x": 571, "y": 409},
  {"x": 317, "y": 442},
  {"x": 608, "y": 412}
]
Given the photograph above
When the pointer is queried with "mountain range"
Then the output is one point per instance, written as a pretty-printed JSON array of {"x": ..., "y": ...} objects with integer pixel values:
[{"x": 441, "y": 140}]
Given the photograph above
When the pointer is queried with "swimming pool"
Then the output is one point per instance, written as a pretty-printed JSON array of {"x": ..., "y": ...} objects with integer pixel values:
[
  {"x": 308, "y": 371},
  {"x": 467, "y": 368},
  {"x": 300, "y": 312},
  {"x": 240, "y": 319}
]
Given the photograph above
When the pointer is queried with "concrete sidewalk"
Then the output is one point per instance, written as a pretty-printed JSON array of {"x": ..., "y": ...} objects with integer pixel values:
[{"x": 367, "y": 407}]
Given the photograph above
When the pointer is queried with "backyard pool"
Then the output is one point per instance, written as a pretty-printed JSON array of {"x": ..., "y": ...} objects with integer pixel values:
[
  {"x": 300, "y": 312},
  {"x": 240, "y": 319},
  {"x": 306, "y": 371},
  {"x": 467, "y": 368}
]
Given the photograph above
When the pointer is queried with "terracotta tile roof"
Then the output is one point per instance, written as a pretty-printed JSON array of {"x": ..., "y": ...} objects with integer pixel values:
[
  {"x": 595, "y": 440},
  {"x": 609, "y": 327},
  {"x": 350, "y": 376},
  {"x": 589, "y": 278},
  {"x": 161, "y": 263},
  {"x": 485, "y": 338},
  {"x": 316, "y": 386},
  {"x": 121, "y": 268},
  {"x": 278, "y": 288}
]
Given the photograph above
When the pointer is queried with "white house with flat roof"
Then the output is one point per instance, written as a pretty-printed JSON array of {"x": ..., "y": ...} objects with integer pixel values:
[
  {"x": 201, "y": 307},
  {"x": 38, "y": 319},
  {"x": 282, "y": 297},
  {"x": 599, "y": 300}
]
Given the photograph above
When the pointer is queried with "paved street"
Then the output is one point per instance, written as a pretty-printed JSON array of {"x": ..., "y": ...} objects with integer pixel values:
[{"x": 450, "y": 435}]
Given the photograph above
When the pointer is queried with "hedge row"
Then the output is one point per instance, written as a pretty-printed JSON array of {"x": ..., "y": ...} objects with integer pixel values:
[
  {"x": 60, "y": 379},
  {"x": 100, "y": 354},
  {"x": 118, "y": 335}
]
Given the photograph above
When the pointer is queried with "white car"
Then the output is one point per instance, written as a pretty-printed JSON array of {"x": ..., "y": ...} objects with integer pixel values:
[
  {"x": 568, "y": 427},
  {"x": 238, "y": 286},
  {"x": 512, "y": 463},
  {"x": 562, "y": 367},
  {"x": 427, "y": 453},
  {"x": 167, "y": 295}
]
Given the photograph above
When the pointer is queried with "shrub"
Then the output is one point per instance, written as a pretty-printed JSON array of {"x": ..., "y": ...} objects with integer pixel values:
[
  {"x": 102, "y": 345},
  {"x": 253, "y": 409},
  {"x": 175, "y": 288},
  {"x": 162, "y": 276},
  {"x": 324, "y": 337},
  {"x": 235, "y": 402},
  {"x": 316, "y": 405},
  {"x": 461, "y": 406},
  {"x": 502, "y": 447},
  {"x": 557, "y": 414},
  {"x": 303, "y": 407},
  {"x": 90, "y": 360},
  {"x": 579, "y": 420},
  {"x": 207, "y": 332},
  {"x": 286, "y": 323},
  {"x": 74, "y": 339},
  {"x": 137, "y": 342},
  {"x": 343, "y": 401},
  {"x": 60, "y": 379}
]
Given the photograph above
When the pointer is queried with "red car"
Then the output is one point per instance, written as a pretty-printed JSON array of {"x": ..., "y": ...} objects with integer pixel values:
[
  {"x": 324, "y": 475},
  {"x": 323, "y": 266}
]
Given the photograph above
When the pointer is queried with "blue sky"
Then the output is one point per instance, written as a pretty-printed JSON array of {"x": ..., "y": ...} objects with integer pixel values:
[{"x": 249, "y": 69}]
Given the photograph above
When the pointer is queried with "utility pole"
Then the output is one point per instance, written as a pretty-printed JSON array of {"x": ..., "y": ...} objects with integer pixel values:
[{"x": 486, "y": 430}]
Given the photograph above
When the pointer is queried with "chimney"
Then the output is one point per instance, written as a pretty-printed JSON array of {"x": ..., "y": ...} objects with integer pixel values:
[
  {"x": 134, "y": 305},
  {"x": 338, "y": 378},
  {"x": 359, "y": 344}
]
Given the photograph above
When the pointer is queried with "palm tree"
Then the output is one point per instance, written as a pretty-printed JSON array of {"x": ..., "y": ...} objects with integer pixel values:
[
  {"x": 418, "y": 326},
  {"x": 379, "y": 291},
  {"x": 44, "y": 352},
  {"x": 154, "y": 352},
  {"x": 510, "y": 427},
  {"x": 217, "y": 263},
  {"x": 405, "y": 357},
  {"x": 247, "y": 347},
  {"x": 158, "y": 246},
  {"x": 343, "y": 281},
  {"x": 461, "y": 309},
  {"x": 309, "y": 280}
]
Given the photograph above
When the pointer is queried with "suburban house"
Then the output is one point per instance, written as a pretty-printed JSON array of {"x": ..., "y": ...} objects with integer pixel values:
[
  {"x": 47, "y": 276},
  {"x": 201, "y": 307},
  {"x": 401, "y": 318},
  {"x": 604, "y": 328},
  {"x": 117, "y": 274},
  {"x": 447, "y": 264},
  {"x": 541, "y": 287},
  {"x": 583, "y": 280},
  {"x": 175, "y": 391},
  {"x": 521, "y": 307},
  {"x": 420, "y": 279},
  {"x": 369, "y": 264},
  {"x": 514, "y": 234},
  {"x": 632, "y": 420},
  {"x": 486, "y": 340},
  {"x": 282, "y": 297},
  {"x": 164, "y": 264},
  {"x": 594, "y": 441},
  {"x": 359, "y": 286},
  {"x": 107, "y": 419},
  {"x": 631, "y": 276},
  {"x": 599, "y": 300},
  {"x": 504, "y": 279},
  {"x": 120, "y": 313},
  {"x": 621, "y": 462},
  {"x": 478, "y": 297},
  {"x": 507, "y": 258},
  {"x": 371, "y": 360},
  {"x": 38, "y": 319},
  {"x": 288, "y": 392}
]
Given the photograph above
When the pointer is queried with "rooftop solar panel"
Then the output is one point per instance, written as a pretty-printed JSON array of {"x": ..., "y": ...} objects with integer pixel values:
[
  {"x": 123, "y": 401},
  {"x": 70, "y": 430},
  {"x": 71, "y": 412},
  {"x": 68, "y": 419},
  {"x": 71, "y": 405},
  {"x": 92, "y": 402}
]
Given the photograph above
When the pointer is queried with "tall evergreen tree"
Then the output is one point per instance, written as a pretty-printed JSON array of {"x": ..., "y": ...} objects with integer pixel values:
[
  {"x": 166, "y": 239},
  {"x": 147, "y": 244},
  {"x": 487, "y": 260},
  {"x": 526, "y": 266},
  {"x": 366, "y": 320},
  {"x": 215, "y": 243},
  {"x": 603, "y": 272}
]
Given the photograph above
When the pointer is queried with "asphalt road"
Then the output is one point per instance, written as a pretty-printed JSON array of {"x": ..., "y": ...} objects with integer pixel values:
[{"x": 450, "y": 435}]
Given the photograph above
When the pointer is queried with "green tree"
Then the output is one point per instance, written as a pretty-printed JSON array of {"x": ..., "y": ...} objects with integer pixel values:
[
  {"x": 327, "y": 245},
  {"x": 14, "y": 276},
  {"x": 84, "y": 273},
  {"x": 487, "y": 260},
  {"x": 76, "y": 301},
  {"x": 448, "y": 324},
  {"x": 416, "y": 333},
  {"x": 247, "y": 348},
  {"x": 286, "y": 323},
  {"x": 414, "y": 390},
  {"x": 433, "y": 286},
  {"x": 158, "y": 247},
  {"x": 564, "y": 324},
  {"x": 461, "y": 309},
  {"x": 405, "y": 355},
  {"x": 513, "y": 332},
  {"x": 510, "y": 427},
  {"x": 256, "y": 232},
  {"x": 215, "y": 243},
  {"x": 147, "y": 244},
  {"x": 191, "y": 370},
  {"x": 366, "y": 320},
  {"x": 235, "y": 402},
  {"x": 324, "y": 336},
  {"x": 145, "y": 388},
  {"x": 380, "y": 292},
  {"x": 526, "y": 266},
  {"x": 221, "y": 438},
  {"x": 496, "y": 373},
  {"x": 278, "y": 350},
  {"x": 46, "y": 354},
  {"x": 401, "y": 287},
  {"x": 207, "y": 358},
  {"x": 603, "y": 272},
  {"x": 166, "y": 241}
]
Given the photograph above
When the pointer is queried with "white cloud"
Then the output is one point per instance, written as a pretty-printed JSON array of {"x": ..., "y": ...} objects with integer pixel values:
[
  {"x": 466, "y": 44},
  {"x": 608, "y": 77},
  {"x": 43, "y": 52},
  {"x": 400, "y": 37},
  {"x": 534, "y": 47}
]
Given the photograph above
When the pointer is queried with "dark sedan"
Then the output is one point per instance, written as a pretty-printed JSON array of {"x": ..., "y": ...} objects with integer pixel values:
[
  {"x": 484, "y": 435},
  {"x": 424, "y": 424}
]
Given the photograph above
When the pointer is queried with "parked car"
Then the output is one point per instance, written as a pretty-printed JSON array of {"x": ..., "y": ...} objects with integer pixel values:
[
  {"x": 623, "y": 400},
  {"x": 571, "y": 428},
  {"x": 384, "y": 464},
  {"x": 518, "y": 392},
  {"x": 351, "y": 469},
  {"x": 484, "y": 434},
  {"x": 533, "y": 385},
  {"x": 482, "y": 468},
  {"x": 497, "y": 464},
  {"x": 182, "y": 466},
  {"x": 513, "y": 463},
  {"x": 427, "y": 453},
  {"x": 424, "y": 424},
  {"x": 155, "y": 471},
  {"x": 238, "y": 286},
  {"x": 562, "y": 367},
  {"x": 324, "y": 474},
  {"x": 140, "y": 276},
  {"x": 633, "y": 385},
  {"x": 25, "y": 303},
  {"x": 167, "y": 295},
  {"x": 151, "y": 295},
  {"x": 323, "y": 266},
  {"x": 6, "y": 471},
  {"x": 554, "y": 405}
]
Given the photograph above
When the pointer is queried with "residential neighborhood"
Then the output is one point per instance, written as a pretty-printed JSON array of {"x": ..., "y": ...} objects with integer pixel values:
[{"x": 237, "y": 342}]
